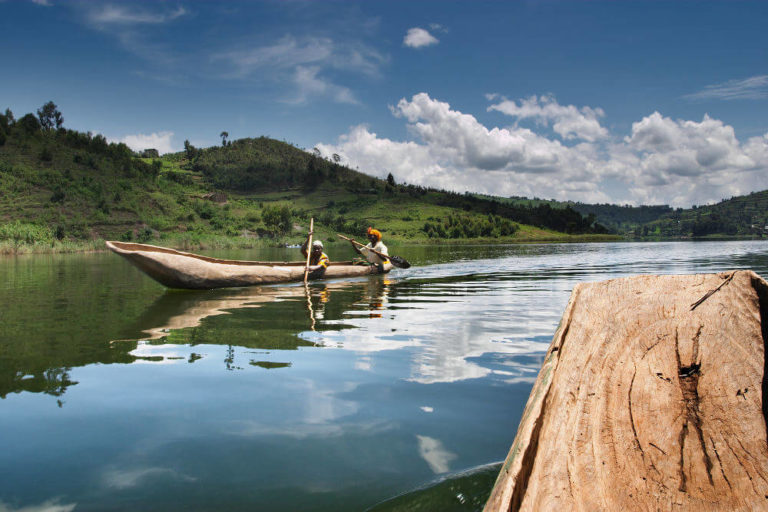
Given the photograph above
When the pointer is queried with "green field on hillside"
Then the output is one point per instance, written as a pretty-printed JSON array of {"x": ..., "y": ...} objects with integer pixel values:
[{"x": 66, "y": 190}]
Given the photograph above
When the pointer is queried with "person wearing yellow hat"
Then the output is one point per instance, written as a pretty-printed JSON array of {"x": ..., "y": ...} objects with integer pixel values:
[
  {"x": 375, "y": 243},
  {"x": 318, "y": 260}
]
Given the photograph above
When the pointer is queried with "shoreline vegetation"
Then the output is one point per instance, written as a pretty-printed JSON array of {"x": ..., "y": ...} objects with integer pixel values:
[
  {"x": 50, "y": 245},
  {"x": 214, "y": 242},
  {"x": 68, "y": 191}
]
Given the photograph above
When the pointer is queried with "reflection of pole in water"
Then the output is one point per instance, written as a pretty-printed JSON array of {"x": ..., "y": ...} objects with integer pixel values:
[
  {"x": 309, "y": 306},
  {"x": 230, "y": 359}
]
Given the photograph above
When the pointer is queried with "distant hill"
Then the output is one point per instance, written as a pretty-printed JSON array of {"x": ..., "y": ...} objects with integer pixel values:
[
  {"x": 60, "y": 184},
  {"x": 617, "y": 218},
  {"x": 741, "y": 216},
  {"x": 622, "y": 219}
]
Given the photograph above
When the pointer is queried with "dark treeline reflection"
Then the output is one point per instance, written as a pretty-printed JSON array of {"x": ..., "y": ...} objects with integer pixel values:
[
  {"x": 90, "y": 322},
  {"x": 65, "y": 311}
]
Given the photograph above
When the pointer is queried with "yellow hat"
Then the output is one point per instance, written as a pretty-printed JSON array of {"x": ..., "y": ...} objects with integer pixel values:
[{"x": 374, "y": 232}]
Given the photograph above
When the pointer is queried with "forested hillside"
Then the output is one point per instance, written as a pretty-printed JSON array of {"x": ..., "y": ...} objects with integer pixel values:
[
  {"x": 741, "y": 216},
  {"x": 62, "y": 185}
]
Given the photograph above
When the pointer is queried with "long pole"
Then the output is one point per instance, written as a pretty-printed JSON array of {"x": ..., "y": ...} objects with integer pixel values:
[{"x": 309, "y": 247}]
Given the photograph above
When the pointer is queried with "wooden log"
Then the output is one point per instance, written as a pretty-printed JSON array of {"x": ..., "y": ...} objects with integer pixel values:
[{"x": 649, "y": 398}]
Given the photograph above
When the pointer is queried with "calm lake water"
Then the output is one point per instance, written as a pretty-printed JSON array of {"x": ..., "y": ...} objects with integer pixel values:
[{"x": 398, "y": 392}]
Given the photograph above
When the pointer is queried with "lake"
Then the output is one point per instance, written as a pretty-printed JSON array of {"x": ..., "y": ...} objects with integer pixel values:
[{"x": 395, "y": 392}]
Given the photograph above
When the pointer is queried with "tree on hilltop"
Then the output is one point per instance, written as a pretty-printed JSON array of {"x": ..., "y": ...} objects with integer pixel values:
[
  {"x": 50, "y": 116},
  {"x": 224, "y": 136}
]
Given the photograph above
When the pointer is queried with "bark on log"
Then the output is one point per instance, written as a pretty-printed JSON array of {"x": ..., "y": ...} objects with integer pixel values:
[{"x": 649, "y": 398}]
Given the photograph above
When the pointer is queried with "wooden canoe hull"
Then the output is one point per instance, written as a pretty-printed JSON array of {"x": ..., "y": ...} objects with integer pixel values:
[
  {"x": 176, "y": 269},
  {"x": 652, "y": 396}
]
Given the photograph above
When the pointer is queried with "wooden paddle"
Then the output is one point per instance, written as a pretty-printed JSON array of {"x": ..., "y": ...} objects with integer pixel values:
[
  {"x": 397, "y": 261},
  {"x": 309, "y": 248}
]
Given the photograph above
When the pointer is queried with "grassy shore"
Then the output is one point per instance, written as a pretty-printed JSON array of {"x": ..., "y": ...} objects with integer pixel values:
[{"x": 212, "y": 241}]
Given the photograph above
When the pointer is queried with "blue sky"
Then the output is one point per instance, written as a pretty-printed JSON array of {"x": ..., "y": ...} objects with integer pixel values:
[{"x": 624, "y": 102}]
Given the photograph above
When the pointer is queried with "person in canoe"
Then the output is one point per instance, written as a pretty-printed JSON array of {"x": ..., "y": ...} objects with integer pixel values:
[
  {"x": 375, "y": 243},
  {"x": 318, "y": 260}
]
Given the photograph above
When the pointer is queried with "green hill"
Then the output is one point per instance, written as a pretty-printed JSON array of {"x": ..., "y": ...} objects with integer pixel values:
[
  {"x": 742, "y": 216},
  {"x": 61, "y": 189},
  {"x": 618, "y": 218}
]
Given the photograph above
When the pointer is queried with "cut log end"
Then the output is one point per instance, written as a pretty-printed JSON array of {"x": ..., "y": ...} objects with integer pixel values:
[{"x": 651, "y": 397}]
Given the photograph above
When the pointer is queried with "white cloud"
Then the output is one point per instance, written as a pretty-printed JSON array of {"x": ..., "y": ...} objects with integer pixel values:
[
  {"x": 418, "y": 38},
  {"x": 161, "y": 141},
  {"x": 46, "y": 3},
  {"x": 310, "y": 64},
  {"x": 752, "y": 88},
  {"x": 122, "y": 15},
  {"x": 136, "y": 28},
  {"x": 662, "y": 160},
  {"x": 568, "y": 121},
  {"x": 309, "y": 84}
]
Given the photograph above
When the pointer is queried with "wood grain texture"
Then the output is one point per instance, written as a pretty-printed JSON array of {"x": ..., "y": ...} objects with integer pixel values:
[{"x": 649, "y": 399}]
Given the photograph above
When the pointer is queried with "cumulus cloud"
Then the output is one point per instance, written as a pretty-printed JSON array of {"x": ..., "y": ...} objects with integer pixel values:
[
  {"x": 418, "y": 37},
  {"x": 752, "y": 88},
  {"x": 161, "y": 141},
  {"x": 662, "y": 160},
  {"x": 568, "y": 121}
]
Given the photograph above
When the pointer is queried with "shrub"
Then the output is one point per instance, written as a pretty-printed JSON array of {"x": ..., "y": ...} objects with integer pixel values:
[
  {"x": 179, "y": 177},
  {"x": 277, "y": 219},
  {"x": 22, "y": 232},
  {"x": 145, "y": 235}
]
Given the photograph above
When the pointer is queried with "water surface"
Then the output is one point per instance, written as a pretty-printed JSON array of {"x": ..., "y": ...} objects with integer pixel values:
[{"x": 394, "y": 392}]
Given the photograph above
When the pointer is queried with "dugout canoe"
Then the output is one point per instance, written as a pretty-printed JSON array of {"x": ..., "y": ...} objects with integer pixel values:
[
  {"x": 177, "y": 269},
  {"x": 652, "y": 396}
]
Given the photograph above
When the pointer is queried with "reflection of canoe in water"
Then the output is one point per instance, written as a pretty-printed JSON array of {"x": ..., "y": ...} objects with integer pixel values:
[
  {"x": 176, "y": 269},
  {"x": 173, "y": 311}
]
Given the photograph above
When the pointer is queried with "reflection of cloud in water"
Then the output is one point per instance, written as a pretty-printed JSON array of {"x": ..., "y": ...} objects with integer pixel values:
[
  {"x": 52, "y": 505},
  {"x": 363, "y": 363},
  {"x": 455, "y": 323},
  {"x": 258, "y": 429},
  {"x": 160, "y": 354},
  {"x": 449, "y": 317},
  {"x": 435, "y": 454},
  {"x": 126, "y": 479},
  {"x": 321, "y": 405}
]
